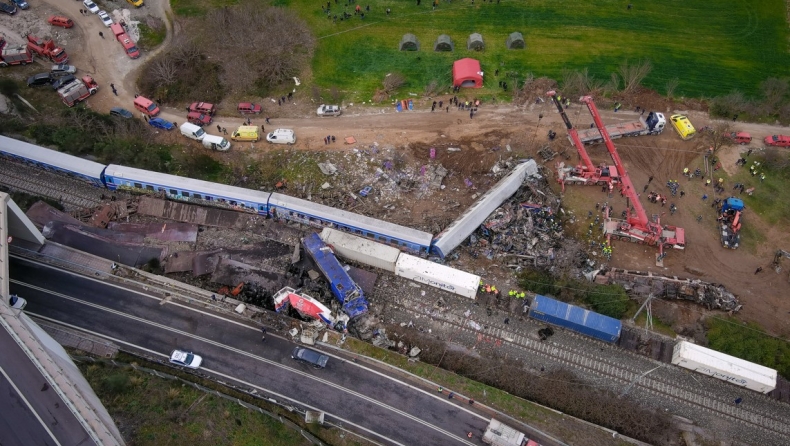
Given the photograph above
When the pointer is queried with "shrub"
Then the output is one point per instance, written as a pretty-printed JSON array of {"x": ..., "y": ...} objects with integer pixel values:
[
  {"x": 116, "y": 383},
  {"x": 539, "y": 282},
  {"x": 609, "y": 300}
]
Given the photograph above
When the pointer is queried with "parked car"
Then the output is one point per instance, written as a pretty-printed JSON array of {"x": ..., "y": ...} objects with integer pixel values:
[
  {"x": 21, "y": 4},
  {"x": 136, "y": 3},
  {"x": 741, "y": 137},
  {"x": 311, "y": 357},
  {"x": 39, "y": 80},
  {"x": 61, "y": 81},
  {"x": 328, "y": 110},
  {"x": 201, "y": 107},
  {"x": 281, "y": 136},
  {"x": 7, "y": 8},
  {"x": 777, "y": 140},
  {"x": 105, "y": 18},
  {"x": 185, "y": 359},
  {"x": 198, "y": 118},
  {"x": 59, "y": 20},
  {"x": 366, "y": 190},
  {"x": 62, "y": 70},
  {"x": 91, "y": 6},
  {"x": 160, "y": 123},
  {"x": 249, "y": 108},
  {"x": 17, "y": 302},
  {"x": 121, "y": 112}
]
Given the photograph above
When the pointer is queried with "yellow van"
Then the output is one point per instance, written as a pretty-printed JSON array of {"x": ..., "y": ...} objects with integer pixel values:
[
  {"x": 683, "y": 126},
  {"x": 245, "y": 133}
]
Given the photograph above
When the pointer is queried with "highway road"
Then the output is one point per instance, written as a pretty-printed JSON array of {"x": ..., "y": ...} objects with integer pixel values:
[{"x": 358, "y": 396}]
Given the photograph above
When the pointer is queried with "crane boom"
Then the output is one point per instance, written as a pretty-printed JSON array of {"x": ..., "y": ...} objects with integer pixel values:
[
  {"x": 588, "y": 164},
  {"x": 626, "y": 186}
]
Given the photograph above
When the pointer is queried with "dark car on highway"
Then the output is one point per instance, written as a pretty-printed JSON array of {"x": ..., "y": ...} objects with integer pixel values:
[{"x": 311, "y": 357}]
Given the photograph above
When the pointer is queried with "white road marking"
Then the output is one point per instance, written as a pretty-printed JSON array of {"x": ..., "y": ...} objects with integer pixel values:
[
  {"x": 238, "y": 351},
  {"x": 217, "y": 316}
]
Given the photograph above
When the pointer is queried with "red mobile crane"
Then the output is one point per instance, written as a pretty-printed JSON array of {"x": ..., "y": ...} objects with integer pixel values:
[
  {"x": 636, "y": 228},
  {"x": 586, "y": 173}
]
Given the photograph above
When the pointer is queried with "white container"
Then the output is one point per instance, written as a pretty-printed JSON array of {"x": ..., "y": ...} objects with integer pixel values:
[
  {"x": 361, "y": 250},
  {"x": 724, "y": 367},
  {"x": 436, "y": 275}
]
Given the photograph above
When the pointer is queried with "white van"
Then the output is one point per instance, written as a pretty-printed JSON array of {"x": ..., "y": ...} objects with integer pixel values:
[
  {"x": 215, "y": 143},
  {"x": 281, "y": 136},
  {"x": 192, "y": 131}
]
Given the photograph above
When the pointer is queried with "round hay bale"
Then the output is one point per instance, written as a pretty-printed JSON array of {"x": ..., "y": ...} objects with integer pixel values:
[{"x": 409, "y": 42}]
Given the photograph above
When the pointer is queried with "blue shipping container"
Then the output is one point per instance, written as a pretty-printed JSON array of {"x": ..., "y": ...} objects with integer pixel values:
[{"x": 575, "y": 318}]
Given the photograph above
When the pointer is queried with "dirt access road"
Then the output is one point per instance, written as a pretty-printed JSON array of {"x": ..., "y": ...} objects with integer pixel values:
[{"x": 765, "y": 295}]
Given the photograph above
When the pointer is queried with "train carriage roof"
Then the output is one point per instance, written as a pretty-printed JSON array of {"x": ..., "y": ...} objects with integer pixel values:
[
  {"x": 353, "y": 220},
  {"x": 51, "y": 157}
]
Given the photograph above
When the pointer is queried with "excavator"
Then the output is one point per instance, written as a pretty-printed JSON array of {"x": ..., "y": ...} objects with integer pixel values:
[{"x": 585, "y": 173}]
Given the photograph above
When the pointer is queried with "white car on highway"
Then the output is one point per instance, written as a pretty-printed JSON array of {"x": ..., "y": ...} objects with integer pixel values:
[
  {"x": 186, "y": 359},
  {"x": 91, "y": 6},
  {"x": 17, "y": 302},
  {"x": 105, "y": 18}
]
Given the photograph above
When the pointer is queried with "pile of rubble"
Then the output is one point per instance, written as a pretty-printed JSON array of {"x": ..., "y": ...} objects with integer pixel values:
[
  {"x": 711, "y": 295},
  {"x": 527, "y": 230}
]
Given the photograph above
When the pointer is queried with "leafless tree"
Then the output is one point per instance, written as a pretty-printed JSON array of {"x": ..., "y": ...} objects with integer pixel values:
[
  {"x": 613, "y": 86},
  {"x": 393, "y": 81},
  {"x": 258, "y": 45},
  {"x": 775, "y": 93},
  {"x": 671, "y": 86},
  {"x": 718, "y": 136},
  {"x": 579, "y": 83},
  {"x": 164, "y": 71},
  {"x": 633, "y": 75},
  {"x": 432, "y": 88}
]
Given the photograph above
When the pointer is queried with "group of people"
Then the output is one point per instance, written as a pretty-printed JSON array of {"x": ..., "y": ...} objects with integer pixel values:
[{"x": 755, "y": 172}]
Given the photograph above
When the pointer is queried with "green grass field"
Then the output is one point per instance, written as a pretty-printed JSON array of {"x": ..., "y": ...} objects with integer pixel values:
[{"x": 711, "y": 46}]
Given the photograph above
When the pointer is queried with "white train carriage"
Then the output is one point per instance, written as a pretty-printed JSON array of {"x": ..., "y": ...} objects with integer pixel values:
[
  {"x": 186, "y": 189},
  {"x": 320, "y": 216},
  {"x": 52, "y": 160}
]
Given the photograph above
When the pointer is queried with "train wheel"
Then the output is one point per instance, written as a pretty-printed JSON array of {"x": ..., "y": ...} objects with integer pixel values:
[{"x": 640, "y": 242}]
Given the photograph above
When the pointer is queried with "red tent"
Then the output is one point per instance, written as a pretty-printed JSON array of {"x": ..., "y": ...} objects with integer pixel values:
[{"x": 467, "y": 73}]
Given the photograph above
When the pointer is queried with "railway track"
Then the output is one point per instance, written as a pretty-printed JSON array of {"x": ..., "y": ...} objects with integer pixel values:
[
  {"x": 72, "y": 194},
  {"x": 775, "y": 423}
]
